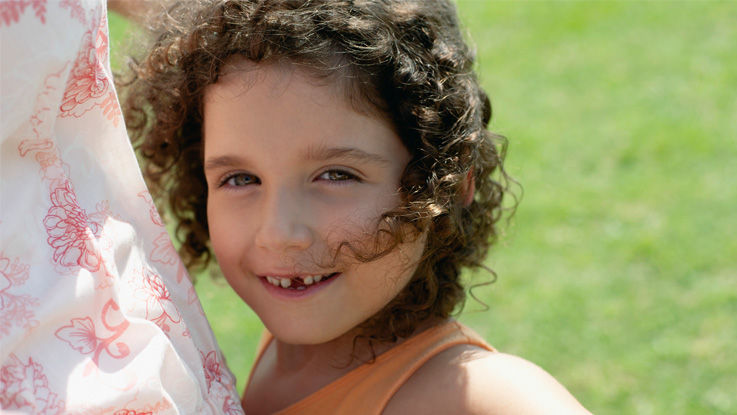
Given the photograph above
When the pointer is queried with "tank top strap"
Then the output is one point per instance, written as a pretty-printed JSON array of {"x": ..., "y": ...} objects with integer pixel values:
[
  {"x": 368, "y": 388},
  {"x": 263, "y": 343}
]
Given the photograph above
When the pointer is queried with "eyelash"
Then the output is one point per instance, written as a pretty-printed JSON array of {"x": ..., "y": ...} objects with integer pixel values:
[
  {"x": 225, "y": 181},
  {"x": 345, "y": 177}
]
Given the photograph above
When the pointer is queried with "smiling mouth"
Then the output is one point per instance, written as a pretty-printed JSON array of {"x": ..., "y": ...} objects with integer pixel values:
[{"x": 299, "y": 283}]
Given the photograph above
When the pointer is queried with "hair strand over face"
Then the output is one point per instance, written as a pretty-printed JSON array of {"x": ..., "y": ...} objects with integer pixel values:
[{"x": 404, "y": 60}]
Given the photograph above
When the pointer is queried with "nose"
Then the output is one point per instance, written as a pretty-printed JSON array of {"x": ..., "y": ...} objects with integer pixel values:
[{"x": 284, "y": 224}]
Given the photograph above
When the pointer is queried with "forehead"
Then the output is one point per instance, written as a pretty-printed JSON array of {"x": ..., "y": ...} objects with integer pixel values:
[
  {"x": 239, "y": 74},
  {"x": 277, "y": 108},
  {"x": 344, "y": 81}
]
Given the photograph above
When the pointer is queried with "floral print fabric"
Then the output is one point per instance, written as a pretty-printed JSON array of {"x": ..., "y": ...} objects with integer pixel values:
[{"x": 97, "y": 314}]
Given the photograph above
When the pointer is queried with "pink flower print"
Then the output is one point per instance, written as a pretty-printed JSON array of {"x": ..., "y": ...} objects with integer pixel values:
[
  {"x": 10, "y": 11},
  {"x": 15, "y": 310},
  {"x": 87, "y": 81},
  {"x": 231, "y": 407},
  {"x": 75, "y": 9},
  {"x": 164, "y": 252},
  {"x": 162, "y": 406},
  {"x": 96, "y": 220},
  {"x": 211, "y": 364},
  {"x": 12, "y": 273},
  {"x": 71, "y": 234},
  {"x": 36, "y": 146},
  {"x": 5, "y": 282},
  {"x": 24, "y": 387},
  {"x": 101, "y": 40},
  {"x": 80, "y": 335},
  {"x": 111, "y": 108},
  {"x": 153, "y": 213},
  {"x": 74, "y": 236},
  {"x": 159, "y": 306},
  {"x": 53, "y": 169},
  {"x": 192, "y": 297}
]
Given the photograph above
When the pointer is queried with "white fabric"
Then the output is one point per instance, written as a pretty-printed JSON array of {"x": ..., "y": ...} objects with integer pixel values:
[{"x": 97, "y": 314}]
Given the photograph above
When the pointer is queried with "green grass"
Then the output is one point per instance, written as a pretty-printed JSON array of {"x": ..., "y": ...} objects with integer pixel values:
[{"x": 618, "y": 273}]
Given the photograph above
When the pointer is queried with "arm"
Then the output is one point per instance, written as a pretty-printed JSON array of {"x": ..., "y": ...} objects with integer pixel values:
[
  {"x": 137, "y": 10},
  {"x": 467, "y": 380},
  {"x": 130, "y": 9}
]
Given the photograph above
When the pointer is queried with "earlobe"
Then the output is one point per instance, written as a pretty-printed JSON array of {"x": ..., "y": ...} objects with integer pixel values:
[{"x": 469, "y": 185}]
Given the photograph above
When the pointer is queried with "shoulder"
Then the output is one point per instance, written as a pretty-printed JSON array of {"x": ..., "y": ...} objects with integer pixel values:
[{"x": 469, "y": 380}]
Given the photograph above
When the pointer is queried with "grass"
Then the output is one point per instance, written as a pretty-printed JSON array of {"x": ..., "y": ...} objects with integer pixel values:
[{"x": 618, "y": 272}]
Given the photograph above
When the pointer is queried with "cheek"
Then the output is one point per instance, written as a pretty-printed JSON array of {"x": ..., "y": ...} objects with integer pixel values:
[
  {"x": 389, "y": 275},
  {"x": 358, "y": 217},
  {"x": 409, "y": 254},
  {"x": 227, "y": 234}
]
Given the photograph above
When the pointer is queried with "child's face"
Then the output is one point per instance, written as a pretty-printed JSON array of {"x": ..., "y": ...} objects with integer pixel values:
[{"x": 292, "y": 171}]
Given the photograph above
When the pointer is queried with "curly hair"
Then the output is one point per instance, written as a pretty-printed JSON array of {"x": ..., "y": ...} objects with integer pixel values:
[{"x": 406, "y": 59}]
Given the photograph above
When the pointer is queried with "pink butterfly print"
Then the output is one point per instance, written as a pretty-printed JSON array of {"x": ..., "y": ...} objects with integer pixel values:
[
  {"x": 83, "y": 337},
  {"x": 80, "y": 335}
]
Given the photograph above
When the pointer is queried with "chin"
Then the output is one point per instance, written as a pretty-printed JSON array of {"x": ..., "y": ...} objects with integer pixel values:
[{"x": 298, "y": 333}]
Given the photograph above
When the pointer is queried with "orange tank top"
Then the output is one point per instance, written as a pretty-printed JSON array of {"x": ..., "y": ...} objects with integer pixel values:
[{"x": 368, "y": 388}]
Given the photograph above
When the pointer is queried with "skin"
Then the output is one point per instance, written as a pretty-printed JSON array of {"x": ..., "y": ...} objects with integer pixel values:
[
  {"x": 137, "y": 10},
  {"x": 293, "y": 170},
  {"x": 467, "y": 380},
  {"x": 130, "y": 9},
  {"x": 282, "y": 195}
]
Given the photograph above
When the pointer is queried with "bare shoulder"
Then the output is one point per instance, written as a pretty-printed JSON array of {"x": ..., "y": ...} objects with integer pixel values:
[{"x": 469, "y": 380}]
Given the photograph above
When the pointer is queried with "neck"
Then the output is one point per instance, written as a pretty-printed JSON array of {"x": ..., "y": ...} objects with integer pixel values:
[
  {"x": 330, "y": 359},
  {"x": 335, "y": 357},
  {"x": 288, "y": 373}
]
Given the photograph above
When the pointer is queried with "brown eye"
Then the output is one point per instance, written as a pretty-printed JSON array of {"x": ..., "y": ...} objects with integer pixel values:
[{"x": 337, "y": 176}]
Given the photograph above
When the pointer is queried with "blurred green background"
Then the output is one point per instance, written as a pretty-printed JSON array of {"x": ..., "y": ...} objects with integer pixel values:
[{"x": 618, "y": 273}]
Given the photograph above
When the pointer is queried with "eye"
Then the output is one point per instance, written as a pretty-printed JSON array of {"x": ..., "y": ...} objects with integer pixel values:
[
  {"x": 337, "y": 176},
  {"x": 239, "y": 180}
]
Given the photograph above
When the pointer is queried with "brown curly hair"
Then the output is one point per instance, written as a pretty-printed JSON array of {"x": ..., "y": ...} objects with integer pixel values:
[{"x": 405, "y": 59}]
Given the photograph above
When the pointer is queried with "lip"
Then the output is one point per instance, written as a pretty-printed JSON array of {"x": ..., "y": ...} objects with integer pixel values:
[{"x": 296, "y": 294}]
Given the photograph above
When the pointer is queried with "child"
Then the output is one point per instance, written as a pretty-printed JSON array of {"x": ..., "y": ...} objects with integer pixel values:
[{"x": 334, "y": 156}]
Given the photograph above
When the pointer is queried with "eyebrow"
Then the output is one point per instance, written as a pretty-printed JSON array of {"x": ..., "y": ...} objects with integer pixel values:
[
  {"x": 322, "y": 153},
  {"x": 313, "y": 154},
  {"x": 222, "y": 161}
]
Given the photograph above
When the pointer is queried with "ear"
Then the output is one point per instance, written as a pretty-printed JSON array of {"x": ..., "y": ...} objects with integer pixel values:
[{"x": 469, "y": 188}]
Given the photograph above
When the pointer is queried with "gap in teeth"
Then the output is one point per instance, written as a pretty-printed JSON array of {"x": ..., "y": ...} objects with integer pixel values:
[{"x": 287, "y": 282}]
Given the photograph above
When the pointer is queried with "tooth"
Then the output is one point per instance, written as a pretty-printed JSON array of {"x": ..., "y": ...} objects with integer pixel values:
[
  {"x": 308, "y": 280},
  {"x": 272, "y": 280},
  {"x": 285, "y": 282},
  {"x": 317, "y": 278}
]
